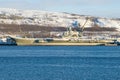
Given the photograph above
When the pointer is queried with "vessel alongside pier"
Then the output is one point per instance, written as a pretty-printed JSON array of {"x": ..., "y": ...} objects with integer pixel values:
[
  {"x": 60, "y": 41},
  {"x": 69, "y": 37}
]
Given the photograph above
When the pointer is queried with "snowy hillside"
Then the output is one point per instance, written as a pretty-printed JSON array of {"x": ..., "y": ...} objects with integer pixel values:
[{"x": 44, "y": 18}]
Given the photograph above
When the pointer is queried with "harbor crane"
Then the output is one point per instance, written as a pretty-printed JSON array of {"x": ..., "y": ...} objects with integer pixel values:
[
  {"x": 82, "y": 27},
  {"x": 76, "y": 33}
]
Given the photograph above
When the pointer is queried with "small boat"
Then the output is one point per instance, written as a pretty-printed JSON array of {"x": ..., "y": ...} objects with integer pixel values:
[
  {"x": 6, "y": 41},
  {"x": 117, "y": 42}
]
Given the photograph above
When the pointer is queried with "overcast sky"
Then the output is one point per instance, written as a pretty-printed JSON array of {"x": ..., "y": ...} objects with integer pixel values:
[{"x": 102, "y": 8}]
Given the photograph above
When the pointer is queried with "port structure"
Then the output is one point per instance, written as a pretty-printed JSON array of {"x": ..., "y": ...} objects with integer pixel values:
[
  {"x": 82, "y": 27},
  {"x": 79, "y": 33}
]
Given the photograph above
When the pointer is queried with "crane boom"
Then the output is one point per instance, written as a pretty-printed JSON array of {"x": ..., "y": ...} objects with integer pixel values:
[{"x": 83, "y": 26}]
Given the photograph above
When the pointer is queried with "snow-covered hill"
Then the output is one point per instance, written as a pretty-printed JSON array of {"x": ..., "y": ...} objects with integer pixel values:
[{"x": 45, "y": 18}]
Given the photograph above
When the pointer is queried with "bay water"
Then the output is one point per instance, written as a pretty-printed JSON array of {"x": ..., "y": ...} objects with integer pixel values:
[{"x": 59, "y": 63}]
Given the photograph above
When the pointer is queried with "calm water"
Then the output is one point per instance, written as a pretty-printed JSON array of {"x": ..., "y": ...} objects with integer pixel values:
[{"x": 59, "y": 63}]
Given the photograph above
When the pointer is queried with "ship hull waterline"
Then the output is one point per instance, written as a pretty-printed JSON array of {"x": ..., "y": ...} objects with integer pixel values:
[
  {"x": 60, "y": 44},
  {"x": 32, "y": 42}
]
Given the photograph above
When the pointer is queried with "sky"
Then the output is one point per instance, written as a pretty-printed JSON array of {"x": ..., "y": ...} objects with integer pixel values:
[{"x": 99, "y": 8}]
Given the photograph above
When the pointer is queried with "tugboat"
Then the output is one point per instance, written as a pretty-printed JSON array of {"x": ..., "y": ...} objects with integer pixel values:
[
  {"x": 6, "y": 41},
  {"x": 116, "y": 42}
]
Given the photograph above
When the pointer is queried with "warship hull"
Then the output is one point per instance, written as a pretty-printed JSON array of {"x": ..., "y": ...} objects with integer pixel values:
[
  {"x": 22, "y": 40},
  {"x": 59, "y": 42}
]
